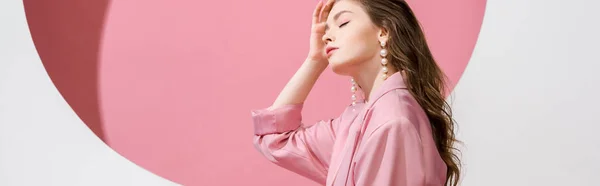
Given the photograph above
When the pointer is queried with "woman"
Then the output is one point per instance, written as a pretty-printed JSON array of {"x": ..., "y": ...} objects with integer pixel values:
[{"x": 398, "y": 131}]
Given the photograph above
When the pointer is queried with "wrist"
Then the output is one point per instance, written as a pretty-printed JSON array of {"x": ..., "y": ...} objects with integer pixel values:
[
  {"x": 314, "y": 63},
  {"x": 315, "y": 66}
]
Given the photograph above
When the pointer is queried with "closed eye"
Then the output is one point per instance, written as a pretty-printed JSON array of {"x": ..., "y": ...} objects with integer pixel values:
[{"x": 344, "y": 24}]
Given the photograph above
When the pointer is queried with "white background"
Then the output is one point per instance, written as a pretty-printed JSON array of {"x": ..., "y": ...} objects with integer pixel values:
[
  {"x": 528, "y": 102},
  {"x": 527, "y": 105}
]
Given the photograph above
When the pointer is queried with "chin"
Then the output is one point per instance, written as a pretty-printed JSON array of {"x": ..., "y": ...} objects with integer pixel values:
[{"x": 340, "y": 67}]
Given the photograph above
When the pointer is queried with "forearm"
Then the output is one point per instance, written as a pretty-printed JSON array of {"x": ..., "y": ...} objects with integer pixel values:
[{"x": 299, "y": 86}]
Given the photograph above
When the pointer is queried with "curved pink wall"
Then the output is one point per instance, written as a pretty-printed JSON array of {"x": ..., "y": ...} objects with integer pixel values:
[
  {"x": 67, "y": 35},
  {"x": 170, "y": 84}
]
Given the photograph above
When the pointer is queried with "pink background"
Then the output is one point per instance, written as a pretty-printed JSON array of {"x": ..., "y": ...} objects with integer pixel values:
[{"x": 170, "y": 84}]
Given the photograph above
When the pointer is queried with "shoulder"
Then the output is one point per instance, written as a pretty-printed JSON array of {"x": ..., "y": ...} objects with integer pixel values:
[
  {"x": 397, "y": 127},
  {"x": 396, "y": 110}
]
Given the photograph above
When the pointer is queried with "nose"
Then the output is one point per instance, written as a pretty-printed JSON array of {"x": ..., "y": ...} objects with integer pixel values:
[{"x": 326, "y": 38}]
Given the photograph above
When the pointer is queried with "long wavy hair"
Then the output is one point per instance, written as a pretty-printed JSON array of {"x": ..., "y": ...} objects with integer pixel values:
[{"x": 409, "y": 51}]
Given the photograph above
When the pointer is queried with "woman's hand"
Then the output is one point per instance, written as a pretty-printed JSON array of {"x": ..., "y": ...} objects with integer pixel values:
[
  {"x": 299, "y": 86},
  {"x": 317, "y": 46}
]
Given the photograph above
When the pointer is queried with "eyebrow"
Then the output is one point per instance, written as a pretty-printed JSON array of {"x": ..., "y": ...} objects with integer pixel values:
[{"x": 336, "y": 16}]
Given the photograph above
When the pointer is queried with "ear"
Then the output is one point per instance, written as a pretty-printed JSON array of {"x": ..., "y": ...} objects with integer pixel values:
[{"x": 383, "y": 35}]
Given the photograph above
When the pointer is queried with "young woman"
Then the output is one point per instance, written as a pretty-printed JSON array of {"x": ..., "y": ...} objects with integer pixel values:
[{"x": 398, "y": 131}]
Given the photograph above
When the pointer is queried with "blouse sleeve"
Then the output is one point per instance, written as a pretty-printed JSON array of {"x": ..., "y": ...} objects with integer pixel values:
[
  {"x": 281, "y": 138},
  {"x": 392, "y": 156}
]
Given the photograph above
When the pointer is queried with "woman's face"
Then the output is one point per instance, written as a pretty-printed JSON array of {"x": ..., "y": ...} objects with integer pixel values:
[{"x": 350, "y": 30}]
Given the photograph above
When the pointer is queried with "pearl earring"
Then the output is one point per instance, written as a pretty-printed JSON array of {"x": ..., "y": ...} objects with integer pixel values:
[
  {"x": 384, "y": 60},
  {"x": 353, "y": 89}
]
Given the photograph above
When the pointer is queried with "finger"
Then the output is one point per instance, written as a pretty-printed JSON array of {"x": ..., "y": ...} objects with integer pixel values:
[
  {"x": 326, "y": 10},
  {"x": 317, "y": 11}
]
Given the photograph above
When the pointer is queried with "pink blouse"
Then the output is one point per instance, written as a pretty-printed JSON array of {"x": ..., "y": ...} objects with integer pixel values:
[{"x": 386, "y": 142}]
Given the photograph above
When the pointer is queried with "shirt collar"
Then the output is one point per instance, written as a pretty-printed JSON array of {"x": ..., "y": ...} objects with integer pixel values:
[{"x": 394, "y": 81}]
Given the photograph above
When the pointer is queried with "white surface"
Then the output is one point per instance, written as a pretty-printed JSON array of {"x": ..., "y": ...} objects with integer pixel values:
[
  {"x": 527, "y": 105},
  {"x": 42, "y": 141}
]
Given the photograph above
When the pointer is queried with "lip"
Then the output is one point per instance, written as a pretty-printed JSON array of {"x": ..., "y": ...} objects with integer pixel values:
[{"x": 329, "y": 50}]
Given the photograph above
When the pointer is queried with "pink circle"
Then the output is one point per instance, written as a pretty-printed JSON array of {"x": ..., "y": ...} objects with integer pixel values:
[{"x": 170, "y": 84}]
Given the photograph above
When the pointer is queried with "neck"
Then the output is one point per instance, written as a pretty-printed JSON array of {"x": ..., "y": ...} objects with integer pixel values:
[{"x": 370, "y": 78}]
